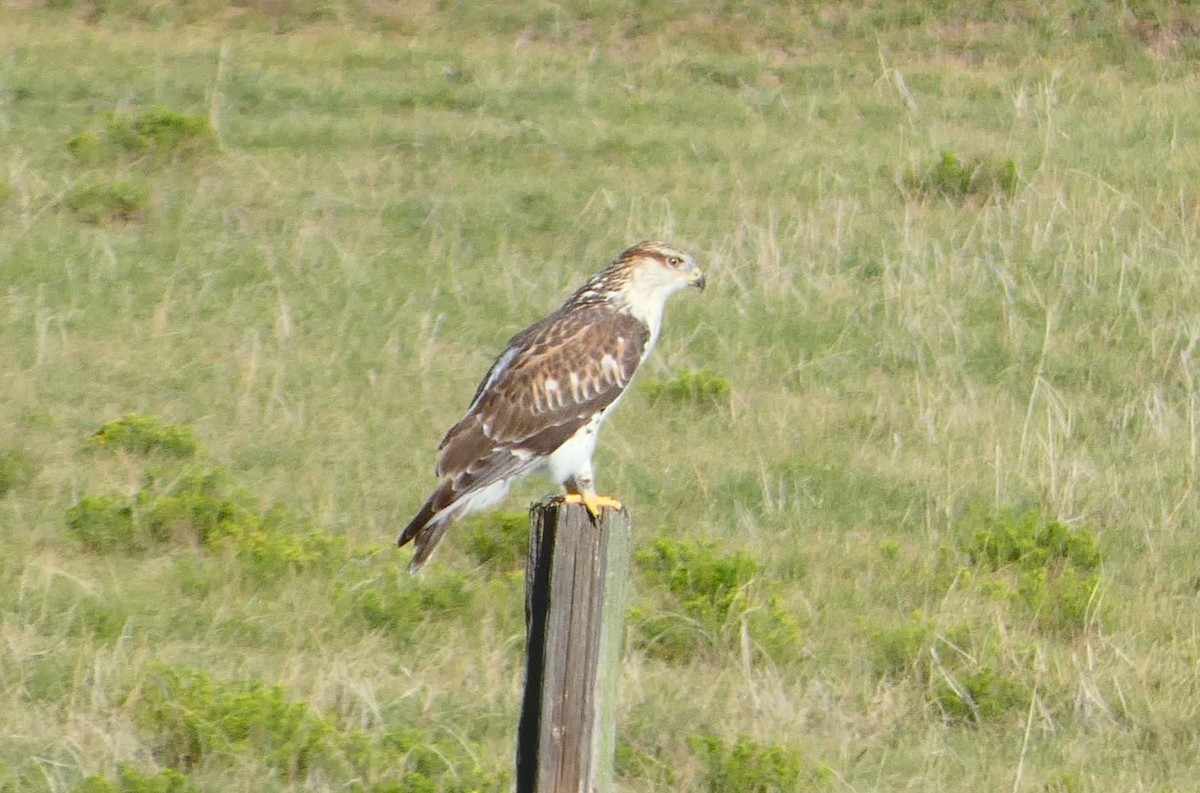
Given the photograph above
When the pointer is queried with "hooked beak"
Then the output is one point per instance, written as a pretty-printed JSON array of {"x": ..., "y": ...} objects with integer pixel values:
[{"x": 699, "y": 281}]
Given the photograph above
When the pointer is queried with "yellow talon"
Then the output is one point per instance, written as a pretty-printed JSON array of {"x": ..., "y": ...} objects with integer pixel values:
[{"x": 593, "y": 504}]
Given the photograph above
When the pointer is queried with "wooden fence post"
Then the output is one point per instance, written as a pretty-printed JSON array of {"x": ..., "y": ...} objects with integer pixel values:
[{"x": 575, "y": 593}]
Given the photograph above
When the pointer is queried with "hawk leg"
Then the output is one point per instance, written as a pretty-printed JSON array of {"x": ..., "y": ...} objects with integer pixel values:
[
  {"x": 581, "y": 489},
  {"x": 592, "y": 502}
]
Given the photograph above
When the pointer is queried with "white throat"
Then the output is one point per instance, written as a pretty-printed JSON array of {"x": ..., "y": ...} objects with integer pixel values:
[{"x": 645, "y": 297}]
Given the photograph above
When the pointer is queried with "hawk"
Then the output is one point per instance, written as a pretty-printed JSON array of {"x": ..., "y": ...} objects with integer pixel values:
[{"x": 542, "y": 402}]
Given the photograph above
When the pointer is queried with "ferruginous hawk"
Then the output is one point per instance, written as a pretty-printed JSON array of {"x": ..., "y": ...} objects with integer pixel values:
[{"x": 544, "y": 399}]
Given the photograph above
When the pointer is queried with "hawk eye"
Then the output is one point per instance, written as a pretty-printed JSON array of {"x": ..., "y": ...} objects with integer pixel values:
[{"x": 674, "y": 261}]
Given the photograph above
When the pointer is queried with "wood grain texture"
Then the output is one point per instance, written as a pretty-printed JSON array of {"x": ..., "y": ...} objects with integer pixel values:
[{"x": 575, "y": 596}]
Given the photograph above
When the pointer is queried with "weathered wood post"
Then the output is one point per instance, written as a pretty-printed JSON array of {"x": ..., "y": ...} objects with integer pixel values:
[{"x": 575, "y": 593}]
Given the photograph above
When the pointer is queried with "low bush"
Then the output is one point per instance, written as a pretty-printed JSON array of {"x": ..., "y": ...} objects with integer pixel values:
[
  {"x": 1049, "y": 568},
  {"x": 746, "y": 766},
  {"x": 145, "y": 435},
  {"x": 397, "y": 603},
  {"x": 132, "y": 780},
  {"x": 709, "y": 599},
  {"x": 158, "y": 135},
  {"x": 199, "y": 508},
  {"x": 499, "y": 541},
  {"x": 192, "y": 719},
  {"x": 100, "y": 203},
  {"x": 703, "y": 389},
  {"x": 16, "y": 469},
  {"x": 980, "y": 694},
  {"x": 959, "y": 180}
]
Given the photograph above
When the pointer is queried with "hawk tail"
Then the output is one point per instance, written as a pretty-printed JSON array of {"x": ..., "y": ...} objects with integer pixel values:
[
  {"x": 447, "y": 504},
  {"x": 426, "y": 530}
]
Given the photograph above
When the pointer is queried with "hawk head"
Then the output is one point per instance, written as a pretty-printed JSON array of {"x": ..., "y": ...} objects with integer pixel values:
[
  {"x": 640, "y": 281},
  {"x": 656, "y": 267},
  {"x": 643, "y": 277}
]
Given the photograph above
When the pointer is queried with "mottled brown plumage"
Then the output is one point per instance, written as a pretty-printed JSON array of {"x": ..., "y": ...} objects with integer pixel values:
[{"x": 542, "y": 401}]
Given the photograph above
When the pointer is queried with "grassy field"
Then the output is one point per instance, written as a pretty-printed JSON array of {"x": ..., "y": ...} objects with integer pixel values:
[{"x": 913, "y": 483}]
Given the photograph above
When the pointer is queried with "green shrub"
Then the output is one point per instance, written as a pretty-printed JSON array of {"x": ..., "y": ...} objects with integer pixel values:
[
  {"x": 898, "y": 652},
  {"x": 105, "y": 523},
  {"x": 198, "y": 507},
  {"x": 905, "y": 651},
  {"x": 703, "y": 389},
  {"x": 145, "y": 435},
  {"x": 709, "y": 596},
  {"x": 1028, "y": 541},
  {"x": 201, "y": 507},
  {"x": 131, "y": 780},
  {"x": 195, "y": 508},
  {"x": 632, "y": 762},
  {"x": 192, "y": 719},
  {"x": 1066, "y": 601},
  {"x": 278, "y": 541},
  {"x": 190, "y": 510},
  {"x": 706, "y": 582},
  {"x": 1050, "y": 568},
  {"x": 980, "y": 695},
  {"x": 1064, "y": 782},
  {"x": 945, "y": 667},
  {"x": 498, "y": 541},
  {"x": 162, "y": 133},
  {"x": 426, "y": 761},
  {"x": 747, "y": 766},
  {"x": 157, "y": 135},
  {"x": 86, "y": 147},
  {"x": 953, "y": 179},
  {"x": 668, "y": 635},
  {"x": 63, "y": 606},
  {"x": 16, "y": 469},
  {"x": 398, "y": 603},
  {"x": 890, "y": 550},
  {"x": 108, "y": 203},
  {"x": 702, "y": 587}
]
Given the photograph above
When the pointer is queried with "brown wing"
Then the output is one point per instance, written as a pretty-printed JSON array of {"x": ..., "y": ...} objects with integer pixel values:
[{"x": 553, "y": 378}]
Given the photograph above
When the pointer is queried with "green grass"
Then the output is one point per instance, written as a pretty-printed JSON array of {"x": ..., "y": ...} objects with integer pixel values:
[{"x": 913, "y": 482}]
